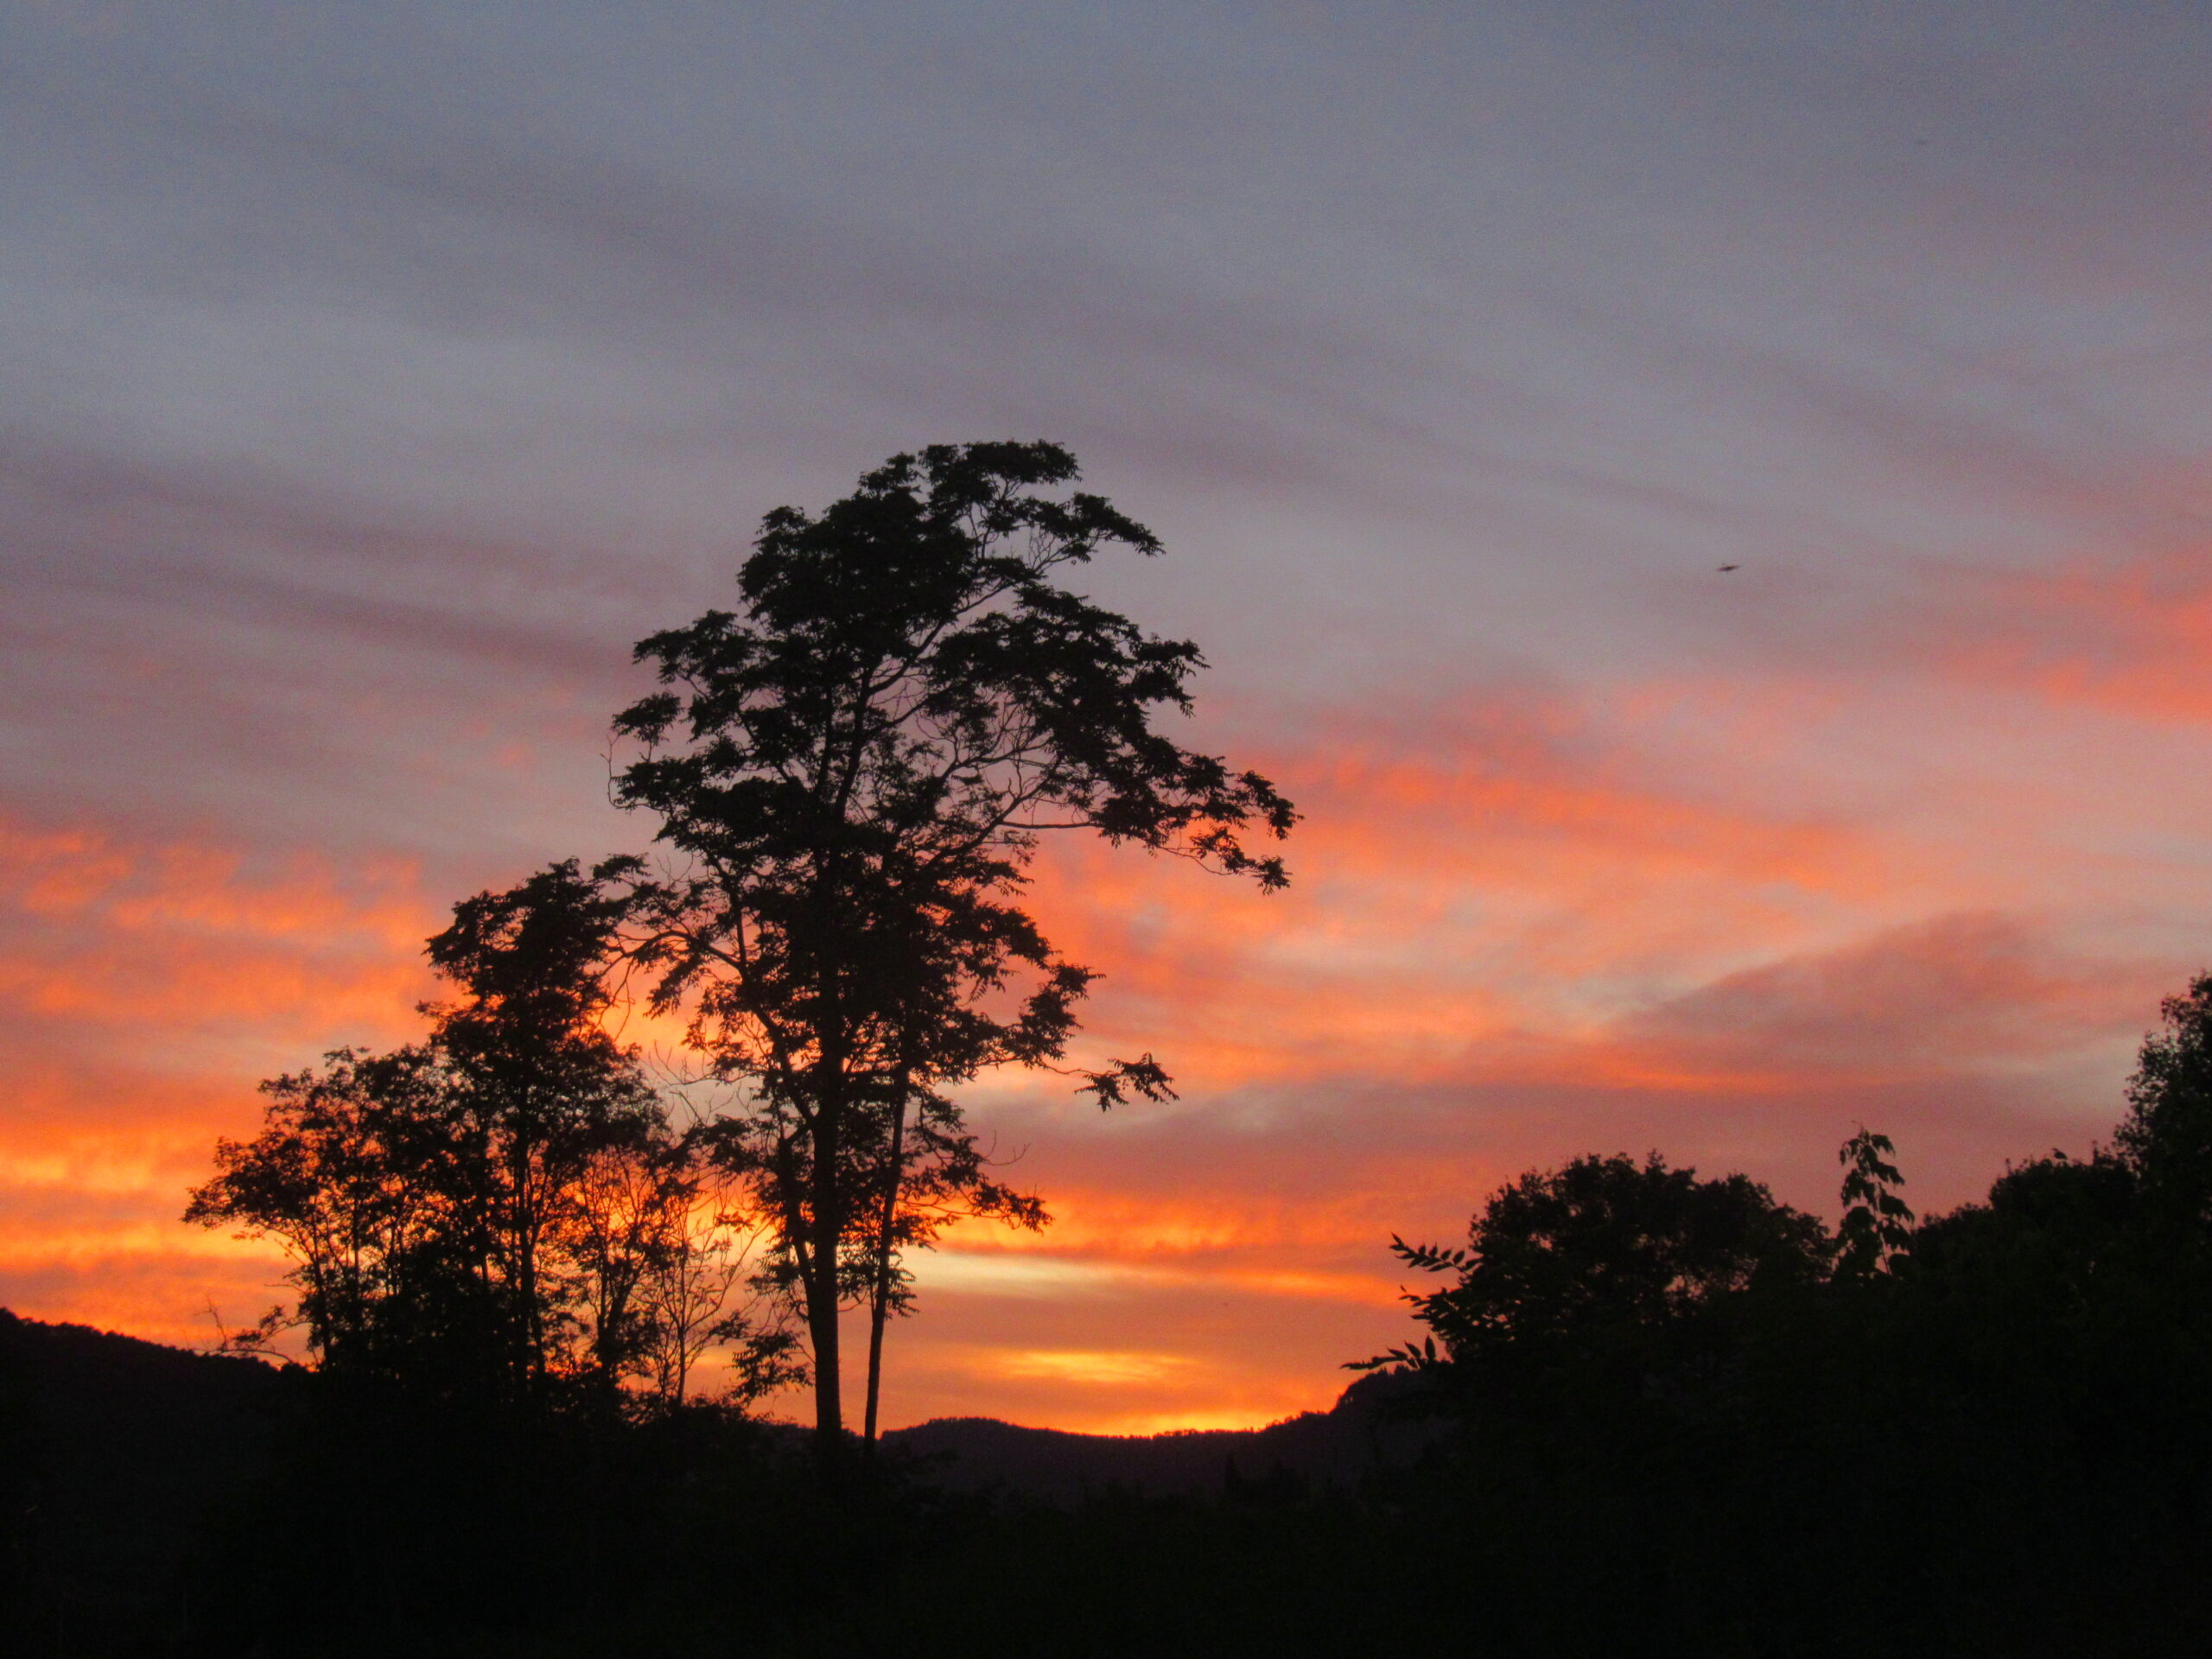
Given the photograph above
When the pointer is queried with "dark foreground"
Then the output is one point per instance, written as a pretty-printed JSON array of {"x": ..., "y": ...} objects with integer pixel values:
[
  {"x": 1652, "y": 1414},
  {"x": 2020, "y": 1471}
]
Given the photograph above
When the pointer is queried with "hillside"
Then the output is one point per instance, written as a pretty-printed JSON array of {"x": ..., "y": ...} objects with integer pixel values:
[
  {"x": 1317, "y": 1449},
  {"x": 133, "y": 1473},
  {"x": 117, "y": 1458}
]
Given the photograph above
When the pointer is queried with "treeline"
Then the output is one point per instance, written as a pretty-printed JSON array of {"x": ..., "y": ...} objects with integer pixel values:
[
  {"x": 1679, "y": 1417},
  {"x": 1657, "y": 1414},
  {"x": 1690, "y": 1420}
]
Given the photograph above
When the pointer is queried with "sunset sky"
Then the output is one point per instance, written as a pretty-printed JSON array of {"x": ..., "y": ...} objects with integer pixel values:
[{"x": 376, "y": 374}]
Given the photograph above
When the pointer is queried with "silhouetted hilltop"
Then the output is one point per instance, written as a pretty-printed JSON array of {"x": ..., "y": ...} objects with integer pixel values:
[
  {"x": 1335, "y": 1448},
  {"x": 114, "y": 1457}
]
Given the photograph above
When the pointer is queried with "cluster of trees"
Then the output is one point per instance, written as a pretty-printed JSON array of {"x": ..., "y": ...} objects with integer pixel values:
[
  {"x": 1658, "y": 1413},
  {"x": 850, "y": 776},
  {"x": 1687, "y": 1417},
  {"x": 504, "y": 1214},
  {"x": 1668, "y": 1415}
]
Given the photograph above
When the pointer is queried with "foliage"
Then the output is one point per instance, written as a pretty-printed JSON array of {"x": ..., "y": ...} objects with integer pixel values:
[
  {"x": 503, "y": 1214},
  {"x": 1661, "y": 1417},
  {"x": 2166, "y": 1137},
  {"x": 1877, "y": 1226},
  {"x": 1995, "y": 1417},
  {"x": 1603, "y": 1245}
]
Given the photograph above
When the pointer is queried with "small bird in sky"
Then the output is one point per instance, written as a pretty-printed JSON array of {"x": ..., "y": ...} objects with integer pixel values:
[{"x": 1725, "y": 569}]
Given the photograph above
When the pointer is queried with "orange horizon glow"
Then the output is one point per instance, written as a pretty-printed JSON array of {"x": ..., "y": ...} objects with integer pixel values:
[{"x": 1493, "y": 908}]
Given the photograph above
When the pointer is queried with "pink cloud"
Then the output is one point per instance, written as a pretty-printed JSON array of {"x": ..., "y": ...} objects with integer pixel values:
[{"x": 2135, "y": 641}]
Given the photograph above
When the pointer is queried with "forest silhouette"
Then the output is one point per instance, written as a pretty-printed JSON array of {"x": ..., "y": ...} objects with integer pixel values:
[{"x": 1641, "y": 1410}]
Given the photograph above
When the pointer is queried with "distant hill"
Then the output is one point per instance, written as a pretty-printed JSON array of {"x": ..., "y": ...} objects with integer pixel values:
[
  {"x": 116, "y": 1458},
  {"x": 1335, "y": 1448},
  {"x": 128, "y": 1470}
]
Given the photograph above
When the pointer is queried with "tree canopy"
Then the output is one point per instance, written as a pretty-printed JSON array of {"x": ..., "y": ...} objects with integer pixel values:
[
  {"x": 503, "y": 1214},
  {"x": 2166, "y": 1137},
  {"x": 1601, "y": 1245}
]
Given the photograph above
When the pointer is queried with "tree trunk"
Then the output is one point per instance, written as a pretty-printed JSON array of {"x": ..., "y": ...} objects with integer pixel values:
[
  {"x": 822, "y": 1287},
  {"x": 822, "y": 1335},
  {"x": 880, "y": 1304}
]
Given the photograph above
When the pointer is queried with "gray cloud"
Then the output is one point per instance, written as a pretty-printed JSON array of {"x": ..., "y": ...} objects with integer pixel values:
[{"x": 1957, "y": 995}]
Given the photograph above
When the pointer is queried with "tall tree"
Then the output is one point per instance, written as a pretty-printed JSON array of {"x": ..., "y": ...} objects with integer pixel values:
[
  {"x": 547, "y": 1098},
  {"x": 854, "y": 772}
]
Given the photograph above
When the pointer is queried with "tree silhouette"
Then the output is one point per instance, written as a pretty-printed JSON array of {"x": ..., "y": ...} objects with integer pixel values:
[
  {"x": 1877, "y": 1226},
  {"x": 547, "y": 1101},
  {"x": 2166, "y": 1137},
  {"x": 852, "y": 777},
  {"x": 354, "y": 1175},
  {"x": 1598, "y": 1249},
  {"x": 494, "y": 1215}
]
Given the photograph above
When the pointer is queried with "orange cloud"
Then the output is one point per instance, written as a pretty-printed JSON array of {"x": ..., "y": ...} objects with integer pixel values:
[
  {"x": 1475, "y": 885},
  {"x": 145, "y": 987},
  {"x": 146, "y": 940},
  {"x": 2135, "y": 641}
]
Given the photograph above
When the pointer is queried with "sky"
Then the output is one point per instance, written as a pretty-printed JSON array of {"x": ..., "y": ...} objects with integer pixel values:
[{"x": 373, "y": 376}]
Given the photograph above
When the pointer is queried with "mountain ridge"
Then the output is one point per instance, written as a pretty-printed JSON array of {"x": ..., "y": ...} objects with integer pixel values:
[{"x": 1337, "y": 1447}]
